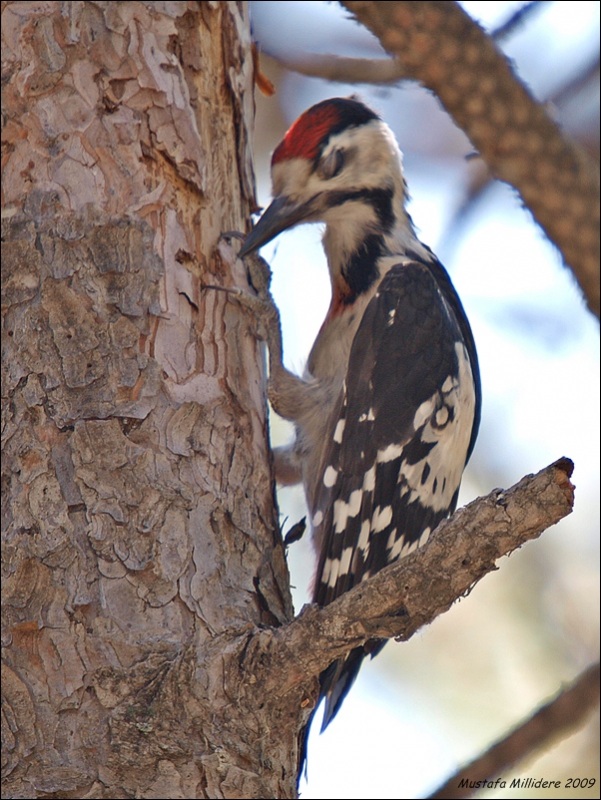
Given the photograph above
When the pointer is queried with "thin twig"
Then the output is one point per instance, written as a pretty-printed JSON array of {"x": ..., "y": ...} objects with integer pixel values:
[
  {"x": 555, "y": 720},
  {"x": 516, "y": 20},
  {"x": 340, "y": 69}
]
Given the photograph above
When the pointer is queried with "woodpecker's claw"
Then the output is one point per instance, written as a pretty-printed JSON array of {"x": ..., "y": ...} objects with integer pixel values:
[
  {"x": 258, "y": 271},
  {"x": 259, "y": 275},
  {"x": 233, "y": 235},
  {"x": 264, "y": 311},
  {"x": 261, "y": 304},
  {"x": 266, "y": 315}
]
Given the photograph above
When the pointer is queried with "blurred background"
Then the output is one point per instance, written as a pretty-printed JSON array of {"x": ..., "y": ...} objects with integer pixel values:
[{"x": 423, "y": 708}]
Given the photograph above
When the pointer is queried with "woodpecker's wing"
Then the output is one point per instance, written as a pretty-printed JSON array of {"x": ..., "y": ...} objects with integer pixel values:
[{"x": 406, "y": 425}]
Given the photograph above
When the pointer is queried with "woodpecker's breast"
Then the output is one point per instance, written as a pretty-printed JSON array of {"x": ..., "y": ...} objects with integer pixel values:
[{"x": 328, "y": 359}]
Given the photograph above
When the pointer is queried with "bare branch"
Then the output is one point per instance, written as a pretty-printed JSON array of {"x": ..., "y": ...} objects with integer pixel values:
[
  {"x": 481, "y": 178},
  {"x": 516, "y": 20},
  {"x": 403, "y": 597},
  {"x": 589, "y": 74},
  {"x": 556, "y": 719},
  {"x": 340, "y": 69},
  {"x": 438, "y": 44}
]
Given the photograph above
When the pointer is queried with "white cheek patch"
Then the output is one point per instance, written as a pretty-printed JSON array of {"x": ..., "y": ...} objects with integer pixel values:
[{"x": 289, "y": 178}]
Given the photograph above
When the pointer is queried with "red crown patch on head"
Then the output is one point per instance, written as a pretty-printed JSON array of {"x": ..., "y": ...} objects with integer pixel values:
[
  {"x": 303, "y": 138},
  {"x": 312, "y": 129}
]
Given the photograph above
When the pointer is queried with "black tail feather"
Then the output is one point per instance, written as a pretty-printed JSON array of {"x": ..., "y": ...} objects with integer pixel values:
[
  {"x": 336, "y": 682},
  {"x": 334, "y": 685}
]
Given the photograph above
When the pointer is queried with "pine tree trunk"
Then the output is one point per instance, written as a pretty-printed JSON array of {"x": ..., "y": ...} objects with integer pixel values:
[{"x": 139, "y": 517}]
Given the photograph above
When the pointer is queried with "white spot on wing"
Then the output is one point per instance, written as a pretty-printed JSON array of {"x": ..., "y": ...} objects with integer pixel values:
[
  {"x": 391, "y": 539},
  {"x": 340, "y": 515},
  {"x": 354, "y": 502},
  {"x": 425, "y": 535},
  {"x": 410, "y": 548},
  {"x": 345, "y": 560},
  {"x": 402, "y": 548},
  {"x": 317, "y": 519},
  {"x": 330, "y": 571},
  {"x": 451, "y": 440},
  {"x": 447, "y": 385},
  {"x": 381, "y": 518},
  {"x": 389, "y": 453},
  {"x": 396, "y": 548},
  {"x": 442, "y": 416},
  {"x": 369, "y": 479},
  {"x": 339, "y": 430},
  {"x": 343, "y": 510},
  {"x": 424, "y": 412},
  {"x": 329, "y": 477},
  {"x": 363, "y": 543},
  {"x": 334, "y": 568}
]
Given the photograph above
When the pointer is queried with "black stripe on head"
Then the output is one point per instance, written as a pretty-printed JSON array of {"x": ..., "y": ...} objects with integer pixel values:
[
  {"x": 380, "y": 199},
  {"x": 361, "y": 270},
  {"x": 349, "y": 113}
]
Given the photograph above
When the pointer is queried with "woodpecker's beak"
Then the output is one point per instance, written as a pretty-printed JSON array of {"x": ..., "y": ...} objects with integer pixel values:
[{"x": 281, "y": 214}]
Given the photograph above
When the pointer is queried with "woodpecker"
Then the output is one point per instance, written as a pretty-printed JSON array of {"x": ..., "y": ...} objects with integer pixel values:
[{"x": 387, "y": 411}]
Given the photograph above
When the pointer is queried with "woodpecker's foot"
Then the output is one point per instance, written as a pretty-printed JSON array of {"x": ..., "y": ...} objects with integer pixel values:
[
  {"x": 260, "y": 303},
  {"x": 285, "y": 390},
  {"x": 259, "y": 276},
  {"x": 258, "y": 271}
]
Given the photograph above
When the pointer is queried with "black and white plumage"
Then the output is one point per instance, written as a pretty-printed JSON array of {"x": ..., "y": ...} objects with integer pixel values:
[
  {"x": 400, "y": 444},
  {"x": 387, "y": 412}
]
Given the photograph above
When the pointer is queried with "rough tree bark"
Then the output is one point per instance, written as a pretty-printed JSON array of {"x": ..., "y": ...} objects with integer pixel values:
[
  {"x": 135, "y": 455},
  {"x": 146, "y": 599}
]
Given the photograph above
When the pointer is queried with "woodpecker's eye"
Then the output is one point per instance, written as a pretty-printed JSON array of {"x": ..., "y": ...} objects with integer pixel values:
[{"x": 331, "y": 165}]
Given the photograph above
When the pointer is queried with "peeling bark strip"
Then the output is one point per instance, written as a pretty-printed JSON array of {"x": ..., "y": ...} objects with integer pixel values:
[
  {"x": 558, "y": 182},
  {"x": 139, "y": 519}
]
